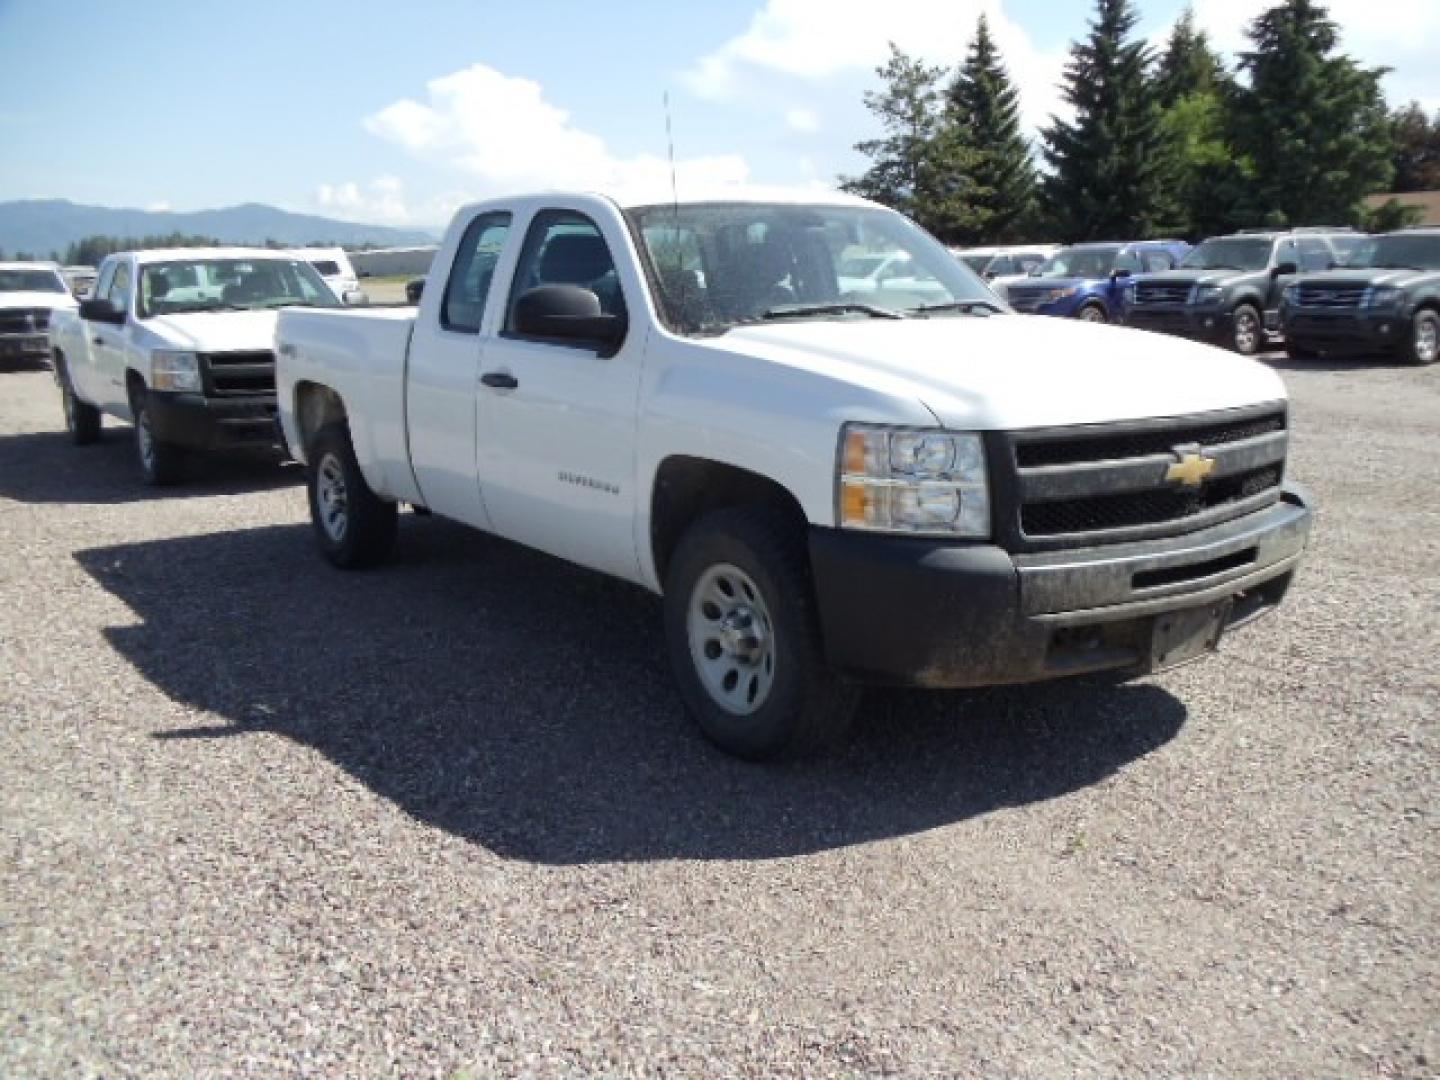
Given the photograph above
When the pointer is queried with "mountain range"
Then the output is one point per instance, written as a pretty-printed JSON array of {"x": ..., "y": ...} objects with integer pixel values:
[{"x": 42, "y": 226}]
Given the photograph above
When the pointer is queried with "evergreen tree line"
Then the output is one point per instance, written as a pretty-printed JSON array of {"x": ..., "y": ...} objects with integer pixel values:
[{"x": 1173, "y": 143}]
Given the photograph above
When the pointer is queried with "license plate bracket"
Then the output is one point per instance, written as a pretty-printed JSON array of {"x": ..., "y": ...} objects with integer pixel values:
[{"x": 1181, "y": 636}]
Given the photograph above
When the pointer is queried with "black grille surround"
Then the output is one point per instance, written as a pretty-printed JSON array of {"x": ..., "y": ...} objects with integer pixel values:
[
  {"x": 250, "y": 373},
  {"x": 1162, "y": 292},
  {"x": 1084, "y": 486},
  {"x": 24, "y": 320},
  {"x": 1330, "y": 297}
]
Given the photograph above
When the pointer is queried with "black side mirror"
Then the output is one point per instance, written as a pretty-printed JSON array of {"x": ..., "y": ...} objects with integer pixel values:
[
  {"x": 1285, "y": 268},
  {"x": 568, "y": 313},
  {"x": 101, "y": 311},
  {"x": 414, "y": 289}
]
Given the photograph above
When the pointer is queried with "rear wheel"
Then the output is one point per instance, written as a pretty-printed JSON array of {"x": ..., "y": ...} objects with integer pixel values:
[
  {"x": 355, "y": 527},
  {"x": 1422, "y": 344},
  {"x": 161, "y": 463},
  {"x": 1247, "y": 332},
  {"x": 744, "y": 641},
  {"x": 82, "y": 420},
  {"x": 1092, "y": 313}
]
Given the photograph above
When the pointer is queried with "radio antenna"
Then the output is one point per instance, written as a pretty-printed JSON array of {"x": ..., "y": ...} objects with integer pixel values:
[
  {"x": 681, "y": 278},
  {"x": 670, "y": 145}
]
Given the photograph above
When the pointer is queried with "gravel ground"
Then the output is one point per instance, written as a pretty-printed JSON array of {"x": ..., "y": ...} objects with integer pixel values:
[{"x": 448, "y": 819}]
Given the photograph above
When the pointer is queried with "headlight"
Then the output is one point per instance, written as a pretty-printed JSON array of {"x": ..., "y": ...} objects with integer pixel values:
[
  {"x": 1384, "y": 296},
  {"x": 179, "y": 371},
  {"x": 912, "y": 481},
  {"x": 1208, "y": 294}
]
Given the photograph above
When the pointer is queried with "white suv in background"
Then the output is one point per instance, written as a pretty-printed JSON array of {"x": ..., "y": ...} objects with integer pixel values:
[{"x": 333, "y": 265}]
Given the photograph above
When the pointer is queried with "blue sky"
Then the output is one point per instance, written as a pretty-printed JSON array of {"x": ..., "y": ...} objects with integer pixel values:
[{"x": 396, "y": 112}]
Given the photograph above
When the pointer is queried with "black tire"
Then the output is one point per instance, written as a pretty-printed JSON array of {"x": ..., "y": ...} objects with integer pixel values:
[
  {"x": 82, "y": 420},
  {"x": 1422, "y": 344},
  {"x": 1299, "y": 351},
  {"x": 161, "y": 463},
  {"x": 804, "y": 704},
  {"x": 1092, "y": 313},
  {"x": 1247, "y": 330},
  {"x": 354, "y": 526}
]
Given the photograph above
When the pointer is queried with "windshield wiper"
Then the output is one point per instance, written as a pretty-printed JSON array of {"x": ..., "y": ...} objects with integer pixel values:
[
  {"x": 843, "y": 307},
  {"x": 191, "y": 309},
  {"x": 965, "y": 307}
]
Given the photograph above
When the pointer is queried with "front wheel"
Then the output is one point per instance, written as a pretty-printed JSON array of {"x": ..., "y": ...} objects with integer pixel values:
[
  {"x": 82, "y": 420},
  {"x": 355, "y": 527},
  {"x": 744, "y": 640},
  {"x": 161, "y": 463},
  {"x": 1422, "y": 344},
  {"x": 1093, "y": 313},
  {"x": 1247, "y": 332}
]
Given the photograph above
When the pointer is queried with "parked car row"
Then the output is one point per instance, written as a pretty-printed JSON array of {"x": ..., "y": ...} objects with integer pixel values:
[
  {"x": 724, "y": 403},
  {"x": 30, "y": 294}
]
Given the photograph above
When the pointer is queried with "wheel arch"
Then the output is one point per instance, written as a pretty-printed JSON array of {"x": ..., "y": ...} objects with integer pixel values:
[
  {"x": 316, "y": 405},
  {"x": 686, "y": 488}
]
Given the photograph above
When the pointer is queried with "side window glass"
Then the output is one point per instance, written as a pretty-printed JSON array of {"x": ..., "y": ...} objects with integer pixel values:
[
  {"x": 472, "y": 272},
  {"x": 1314, "y": 255},
  {"x": 102, "y": 287},
  {"x": 1128, "y": 261},
  {"x": 566, "y": 248},
  {"x": 1158, "y": 261},
  {"x": 1285, "y": 252},
  {"x": 120, "y": 288}
]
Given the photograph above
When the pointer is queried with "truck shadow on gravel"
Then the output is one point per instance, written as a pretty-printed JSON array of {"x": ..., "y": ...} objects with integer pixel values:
[
  {"x": 525, "y": 705},
  {"x": 45, "y": 467}
]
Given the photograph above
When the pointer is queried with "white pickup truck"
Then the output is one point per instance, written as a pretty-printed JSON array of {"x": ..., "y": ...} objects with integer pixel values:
[
  {"x": 30, "y": 293},
  {"x": 180, "y": 343},
  {"x": 910, "y": 485}
]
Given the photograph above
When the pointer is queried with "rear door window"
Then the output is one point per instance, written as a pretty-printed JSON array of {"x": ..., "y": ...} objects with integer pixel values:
[{"x": 472, "y": 273}]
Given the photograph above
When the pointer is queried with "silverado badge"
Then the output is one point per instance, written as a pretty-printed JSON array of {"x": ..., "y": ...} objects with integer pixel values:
[{"x": 1192, "y": 468}]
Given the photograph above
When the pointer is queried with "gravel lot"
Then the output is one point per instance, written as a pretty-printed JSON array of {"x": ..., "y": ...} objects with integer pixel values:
[{"x": 447, "y": 818}]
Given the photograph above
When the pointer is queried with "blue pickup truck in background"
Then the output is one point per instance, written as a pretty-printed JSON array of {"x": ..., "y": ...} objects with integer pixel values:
[{"x": 1085, "y": 281}]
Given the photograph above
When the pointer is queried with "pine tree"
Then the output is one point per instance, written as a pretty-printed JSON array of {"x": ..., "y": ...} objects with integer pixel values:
[
  {"x": 1110, "y": 163},
  {"x": 1417, "y": 150},
  {"x": 984, "y": 108},
  {"x": 1312, "y": 122},
  {"x": 920, "y": 167},
  {"x": 1188, "y": 65}
]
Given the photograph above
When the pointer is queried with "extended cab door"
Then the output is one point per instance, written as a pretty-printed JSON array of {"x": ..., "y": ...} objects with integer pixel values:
[
  {"x": 557, "y": 421},
  {"x": 109, "y": 344},
  {"x": 444, "y": 373}
]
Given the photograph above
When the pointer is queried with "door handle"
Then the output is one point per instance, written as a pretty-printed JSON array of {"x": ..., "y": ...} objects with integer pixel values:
[
  {"x": 500, "y": 380},
  {"x": 97, "y": 341}
]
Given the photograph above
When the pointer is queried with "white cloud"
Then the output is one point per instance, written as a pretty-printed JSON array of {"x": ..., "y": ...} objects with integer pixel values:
[
  {"x": 1401, "y": 34},
  {"x": 802, "y": 120},
  {"x": 501, "y": 130},
  {"x": 158, "y": 207},
  {"x": 814, "y": 40},
  {"x": 381, "y": 201}
]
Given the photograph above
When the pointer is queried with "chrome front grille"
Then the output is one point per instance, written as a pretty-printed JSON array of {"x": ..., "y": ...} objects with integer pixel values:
[
  {"x": 24, "y": 320},
  {"x": 1075, "y": 487},
  {"x": 1161, "y": 292},
  {"x": 1330, "y": 297}
]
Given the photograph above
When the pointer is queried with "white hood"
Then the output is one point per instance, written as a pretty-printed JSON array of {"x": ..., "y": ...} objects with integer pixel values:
[
  {"x": 214, "y": 331},
  {"x": 1008, "y": 372},
  {"x": 51, "y": 300}
]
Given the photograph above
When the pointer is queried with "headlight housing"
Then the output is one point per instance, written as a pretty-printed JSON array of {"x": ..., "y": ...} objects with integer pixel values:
[
  {"x": 1207, "y": 294},
  {"x": 1384, "y": 296},
  {"x": 175, "y": 371},
  {"x": 915, "y": 481},
  {"x": 1290, "y": 293}
]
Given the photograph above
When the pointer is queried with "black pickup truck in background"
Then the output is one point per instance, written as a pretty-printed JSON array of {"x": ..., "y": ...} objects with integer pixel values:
[{"x": 1386, "y": 303}]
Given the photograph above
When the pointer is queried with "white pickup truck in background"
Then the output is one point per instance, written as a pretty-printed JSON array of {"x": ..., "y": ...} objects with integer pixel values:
[
  {"x": 180, "y": 343},
  {"x": 30, "y": 293},
  {"x": 910, "y": 484}
]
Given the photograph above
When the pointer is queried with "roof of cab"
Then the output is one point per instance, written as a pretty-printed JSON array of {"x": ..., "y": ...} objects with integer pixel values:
[{"x": 154, "y": 255}]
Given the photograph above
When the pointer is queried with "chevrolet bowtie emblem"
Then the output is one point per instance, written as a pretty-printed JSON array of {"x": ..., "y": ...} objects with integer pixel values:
[{"x": 1191, "y": 470}]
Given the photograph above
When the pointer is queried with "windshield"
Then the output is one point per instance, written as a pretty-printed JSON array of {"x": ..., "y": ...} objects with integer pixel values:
[
  {"x": 31, "y": 281},
  {"x": 718, "y": 265},
  {"x": 1086, "y": 262},
  {"x": 1229, "y": 254},
  {"x": 977, "y": 263},
  {"x": 170, "y": 288},
  {"x": 1399, "y": 252}
]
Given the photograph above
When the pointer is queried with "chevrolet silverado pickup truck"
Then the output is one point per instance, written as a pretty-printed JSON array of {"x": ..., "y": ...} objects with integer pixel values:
[
  {"x": 910, "y": 485},
  {"x": 179, "y": 342},
  {"x": 1227, "y": 291},
  {"x": 1386, "y": 301},
  {"x": 30, "y": 293}
]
